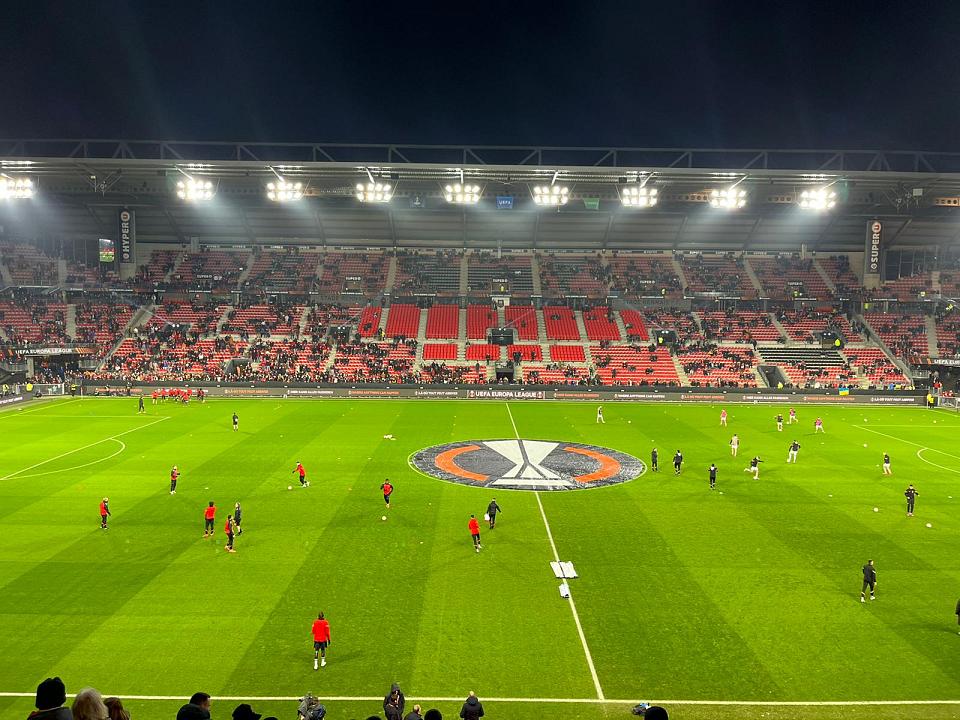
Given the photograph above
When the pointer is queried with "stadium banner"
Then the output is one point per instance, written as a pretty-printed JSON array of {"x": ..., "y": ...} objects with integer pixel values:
[
  {"x": 873, "y": 254},
  {"x": 11, "y": 399},
  {"x": 127, "y": 232},
  {"x": 496, "y": 393}
]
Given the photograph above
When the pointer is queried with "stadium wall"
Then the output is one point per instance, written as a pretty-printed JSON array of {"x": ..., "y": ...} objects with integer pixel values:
[{"x": 547, "y": 392}]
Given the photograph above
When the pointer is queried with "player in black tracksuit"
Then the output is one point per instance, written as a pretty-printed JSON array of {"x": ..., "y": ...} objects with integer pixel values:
[
  {"x": 677, "y": 462},
  {"x": 492, "y": 510},
  {"x": 869, "y": 580},
  {"x": 713, "y": 475},
  {"x": 653, "y": 460},
  {"x": 911, "y": 495}
]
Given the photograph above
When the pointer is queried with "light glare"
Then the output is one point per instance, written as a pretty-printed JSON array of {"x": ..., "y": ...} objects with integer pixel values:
[
  {"x": 193, "y": 190},
  {"x": 818, "y": 199},
  {"x": 731, "y": 198}
]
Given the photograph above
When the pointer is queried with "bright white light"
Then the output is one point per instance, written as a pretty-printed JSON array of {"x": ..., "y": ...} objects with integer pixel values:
[
  {"x": 550, "y": 195},
  {"x": 462, "y": 194},
  {"x": 374, "y": 192},
  {"x": 194, "y": 190},
  {"x": 19, "y": 188},
  {"x": 636, "y": 196},
  {"x": 283, "y": 191},
  {"x": 731, "y": 198},
  {"x": 818, "y": 199}
]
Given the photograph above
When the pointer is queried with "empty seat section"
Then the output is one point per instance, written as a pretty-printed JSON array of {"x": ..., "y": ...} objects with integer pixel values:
[
  {"x": 560, "y": 323},
  {"x": 480, "y": 318},
  {"x": 567, "y": 353},
  {"x": 443, "y": 321},
  {"x": 523, "y": 318},
  {"x": 440, "y": 351},
  {"x": 403, "y": 321}
]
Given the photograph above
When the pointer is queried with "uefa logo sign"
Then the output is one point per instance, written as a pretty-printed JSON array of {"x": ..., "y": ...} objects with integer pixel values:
[{"x": 527, "y": 464}]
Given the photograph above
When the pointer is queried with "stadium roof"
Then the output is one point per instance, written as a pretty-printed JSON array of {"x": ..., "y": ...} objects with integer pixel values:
[{"x": 82, "y": 184}]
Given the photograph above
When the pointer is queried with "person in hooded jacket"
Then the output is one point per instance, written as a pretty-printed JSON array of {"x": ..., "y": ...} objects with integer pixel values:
[
  {"x": 51, "y": 701},
  {"x": 472, "y": 709},
  {"x": 393, "y": 703}
]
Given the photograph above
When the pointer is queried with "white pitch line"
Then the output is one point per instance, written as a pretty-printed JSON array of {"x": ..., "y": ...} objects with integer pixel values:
[
  {"x": 564, "y": 701},
  {"x": 908, "y": 442},
  {"x": 928, "y": 462},
  {"x": 71, "y": 452},
  {"x": 573, "y": 605},
  {"x": 123, "y": 446}
]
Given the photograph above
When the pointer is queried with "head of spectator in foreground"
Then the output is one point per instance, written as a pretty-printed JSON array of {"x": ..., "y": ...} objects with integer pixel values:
[
  {"x": 655, "y": 712},
  {"x": 433, "y": 714},
  {"x": 197, "y": 709},
  {"x": 89, "y": 705},
  {"x": 116, "y": 709},
  {"x": 245, "y": 712},
  {"x": 51, "y": 693}
]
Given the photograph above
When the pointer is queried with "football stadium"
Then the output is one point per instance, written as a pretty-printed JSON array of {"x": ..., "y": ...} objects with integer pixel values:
[{"x": 570, "y": 428}]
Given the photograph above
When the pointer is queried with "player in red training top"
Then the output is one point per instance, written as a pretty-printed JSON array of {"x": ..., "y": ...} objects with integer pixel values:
[
  {"x": 475, "y": 532},
  {"x": 299, "y": 469},
  {"x": 209, "y": 513},
  {"x": 723, "y": 418},
  {"x": 387, "y": 491},
  {"x": 228, "y": 530},
  {"x": 818, "y": 426},
  {"x": 321, "y": 638},
  {"x": 104, "y": 512},
  {"x": 174, "y": 476}
]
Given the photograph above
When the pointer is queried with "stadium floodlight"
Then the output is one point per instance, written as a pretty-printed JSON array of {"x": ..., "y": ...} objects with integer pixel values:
[
  {"x": 194, "y": 190},
  {"x": 731, "y": 198},
  {"x": 374, "y": 192},
  {"x": 551, "y": 195},
  {"x": 818, "y": 199},
  {"x": 18, "y": 188},
  {"x": 638, "y": 196},
  {"x": 284, "y": 191},
  {"x": 462, "y": 194}
]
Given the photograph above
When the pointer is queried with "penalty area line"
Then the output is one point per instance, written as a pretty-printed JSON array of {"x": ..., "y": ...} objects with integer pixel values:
[
  {"x": 75, "y": 450},
  {"x": 555, "y": 701},
  {"x": 573, "y": 605}
]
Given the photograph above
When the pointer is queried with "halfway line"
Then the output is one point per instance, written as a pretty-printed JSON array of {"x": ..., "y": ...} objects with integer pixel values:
[{"x": 556, "y": 557}]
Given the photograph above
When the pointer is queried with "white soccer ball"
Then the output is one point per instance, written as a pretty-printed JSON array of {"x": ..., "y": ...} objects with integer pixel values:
[
  {"x": 876, "y": 509},
  {"x": 629, "y": 422},
  {"x": 929, "y": 524},
  {"x": 864, "y": 444},
  {"x": 864, "y": 419},
  {"x": 289, "y": 487},
  {"x": 383, "y": 517}
]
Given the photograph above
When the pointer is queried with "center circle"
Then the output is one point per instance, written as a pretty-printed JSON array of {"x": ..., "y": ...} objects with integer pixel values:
[{"x": 518, "y": 464}]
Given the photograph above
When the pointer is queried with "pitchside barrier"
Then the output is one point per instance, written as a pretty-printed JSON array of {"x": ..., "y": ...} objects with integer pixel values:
[{"x": 544, "y": 392}]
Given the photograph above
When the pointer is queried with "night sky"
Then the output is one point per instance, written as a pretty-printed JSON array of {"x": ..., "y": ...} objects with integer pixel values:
[{"x": 711, "y": 74}]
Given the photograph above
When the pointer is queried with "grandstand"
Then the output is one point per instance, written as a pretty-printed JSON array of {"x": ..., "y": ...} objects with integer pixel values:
[{"x": 653, "y": 298}]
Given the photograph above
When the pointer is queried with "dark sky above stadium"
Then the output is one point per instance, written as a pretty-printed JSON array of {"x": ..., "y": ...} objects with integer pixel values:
[{"x": 707, "y": 74}]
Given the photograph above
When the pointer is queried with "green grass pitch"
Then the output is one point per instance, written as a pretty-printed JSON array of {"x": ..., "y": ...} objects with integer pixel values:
[{"x": 684, "y": 594}]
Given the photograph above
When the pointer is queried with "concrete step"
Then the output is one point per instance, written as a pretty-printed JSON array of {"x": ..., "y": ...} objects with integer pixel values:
[
  {"x": 752, "y": 275},
  {"x": 684, "y": 378},
  {"x": 535, "y": 274},
  {"x": 780, "y": 328},
  {"x": 70, "y": 319},
  {"x": 391, "y": 274},
  {"x": 826, "y": 278},
  {"x": 932, "y": 348}
]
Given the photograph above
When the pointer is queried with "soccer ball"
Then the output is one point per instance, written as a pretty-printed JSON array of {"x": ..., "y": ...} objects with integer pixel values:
[
  {"x": 929, "y": 524},
  {"x": 864, "y": 444},
  {"x": 289, "y": 487},
  {"x": 629, "y": 422},
  {"x": 876, "y": 509},
  {"x": 383, "y": 517}
]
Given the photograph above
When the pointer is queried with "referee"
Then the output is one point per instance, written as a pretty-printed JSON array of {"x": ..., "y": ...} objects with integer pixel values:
[{"x": 869, "y": 580}]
